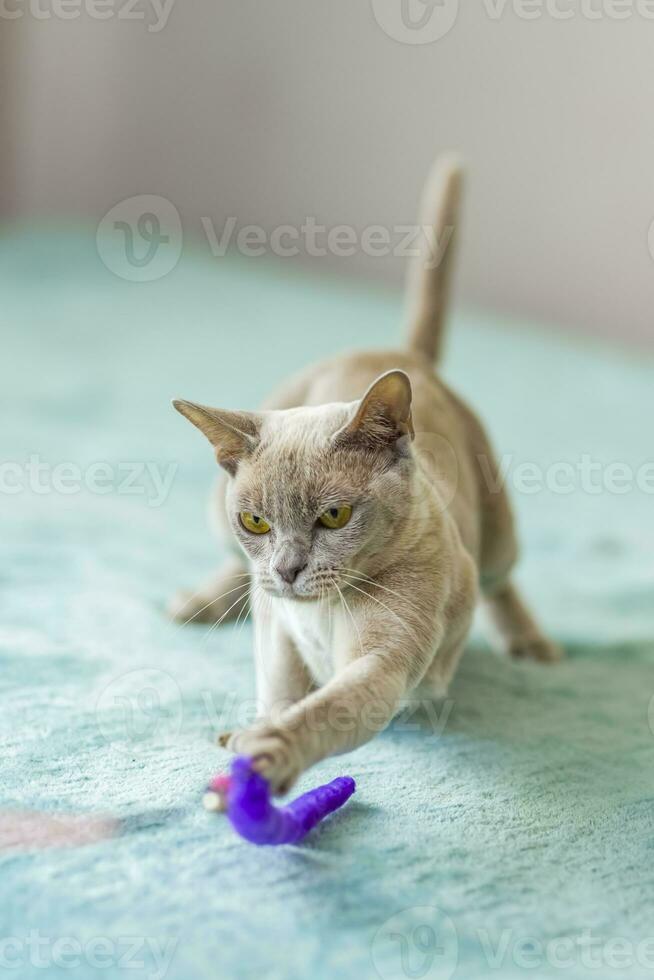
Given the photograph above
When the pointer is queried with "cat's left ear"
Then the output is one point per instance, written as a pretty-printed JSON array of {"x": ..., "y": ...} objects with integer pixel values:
[
  {"x": 234, "y": 435},
  {"x": 383, "y": 415}
]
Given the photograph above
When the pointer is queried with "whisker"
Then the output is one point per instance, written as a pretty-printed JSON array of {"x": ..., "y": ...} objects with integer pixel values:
[
  {"x": 329, "y": 623},
  {"x": 351, "y": 616},
  {"x": 423, "y": 617},
  {"x": 245, "y": 609},
  {"x": 388, "y": 609},
  {"x": 210, "y": 603},
  {"x": 216, "y": 624},
  {"x": 371, "y": 581}
]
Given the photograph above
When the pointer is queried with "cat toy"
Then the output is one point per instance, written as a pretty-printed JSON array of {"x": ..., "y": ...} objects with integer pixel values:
[{"x": 244, "y": 795}]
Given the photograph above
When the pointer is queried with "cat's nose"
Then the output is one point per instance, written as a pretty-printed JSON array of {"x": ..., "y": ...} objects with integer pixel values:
[{"x": 289, "y": 571}]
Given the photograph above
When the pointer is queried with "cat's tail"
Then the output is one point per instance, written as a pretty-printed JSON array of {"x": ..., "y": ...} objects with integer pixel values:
[{"x": 431, "y": 271}]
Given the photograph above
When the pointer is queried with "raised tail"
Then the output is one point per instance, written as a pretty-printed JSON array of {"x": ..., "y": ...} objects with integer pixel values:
[{"x": 431, "y": 270}]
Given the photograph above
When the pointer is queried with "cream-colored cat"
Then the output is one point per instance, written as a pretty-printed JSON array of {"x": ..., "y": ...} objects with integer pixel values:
[{"x": 364, "y": 497}]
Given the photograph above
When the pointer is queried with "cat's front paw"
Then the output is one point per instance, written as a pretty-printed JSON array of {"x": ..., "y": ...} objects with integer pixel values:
[{"x": 274, "y": 751}]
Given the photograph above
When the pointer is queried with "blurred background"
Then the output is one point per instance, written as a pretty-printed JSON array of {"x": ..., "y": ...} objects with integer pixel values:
[{"x": 269, "y": 114}]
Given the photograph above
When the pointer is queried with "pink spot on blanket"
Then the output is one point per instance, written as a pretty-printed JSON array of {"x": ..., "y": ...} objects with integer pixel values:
[{"x": 26, "y": 830}]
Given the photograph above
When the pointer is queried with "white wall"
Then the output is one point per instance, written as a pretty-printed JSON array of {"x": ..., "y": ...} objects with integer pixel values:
[{"x": 274, "y": 111}]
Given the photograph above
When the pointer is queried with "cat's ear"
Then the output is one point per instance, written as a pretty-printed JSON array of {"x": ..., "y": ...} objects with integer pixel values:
[
  {"x": 234, "y": 435},
  {"x": 383, "y": 415}
]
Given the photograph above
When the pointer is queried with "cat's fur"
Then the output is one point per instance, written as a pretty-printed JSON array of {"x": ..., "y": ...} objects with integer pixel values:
[{"x": 351, "y": 622}]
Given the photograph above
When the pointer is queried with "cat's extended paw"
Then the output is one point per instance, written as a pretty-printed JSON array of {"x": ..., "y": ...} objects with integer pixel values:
[
  {"x": 274, "y": 753},
  {"x": 536, "y": 648}
]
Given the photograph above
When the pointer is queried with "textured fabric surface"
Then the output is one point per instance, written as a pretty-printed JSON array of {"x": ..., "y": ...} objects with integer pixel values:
[{"x": 510, "y": 834}]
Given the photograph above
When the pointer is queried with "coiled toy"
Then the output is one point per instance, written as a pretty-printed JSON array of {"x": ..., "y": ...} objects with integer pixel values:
[{"x": 244, "y": 795}]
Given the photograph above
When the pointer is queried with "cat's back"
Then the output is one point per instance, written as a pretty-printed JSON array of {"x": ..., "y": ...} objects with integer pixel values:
[{"x": 435, "y": 408}]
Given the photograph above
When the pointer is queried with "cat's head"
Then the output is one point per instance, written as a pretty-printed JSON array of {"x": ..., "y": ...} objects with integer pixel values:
[{"x": 316, "y": 494}]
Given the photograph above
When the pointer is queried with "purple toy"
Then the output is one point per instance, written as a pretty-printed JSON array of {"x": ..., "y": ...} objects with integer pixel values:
[{"x": 245, "y": 796}]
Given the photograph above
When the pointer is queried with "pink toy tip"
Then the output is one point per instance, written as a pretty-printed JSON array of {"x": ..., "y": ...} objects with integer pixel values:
[{"x": 220, "y": 783}]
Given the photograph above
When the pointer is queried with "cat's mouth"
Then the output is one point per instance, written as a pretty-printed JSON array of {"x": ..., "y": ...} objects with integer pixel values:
[{"x": 310, "y": 589}]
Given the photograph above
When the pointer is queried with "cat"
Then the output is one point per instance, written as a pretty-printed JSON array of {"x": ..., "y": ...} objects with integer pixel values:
[{"x": 370, "y": 517}]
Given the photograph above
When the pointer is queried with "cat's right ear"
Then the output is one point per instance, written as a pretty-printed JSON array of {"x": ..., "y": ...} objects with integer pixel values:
[
  {"x": 234, "y": 435},
  {"x": 383, "y": 416}
]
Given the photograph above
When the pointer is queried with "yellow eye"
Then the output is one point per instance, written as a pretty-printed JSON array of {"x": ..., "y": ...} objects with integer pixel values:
[
  {"x": 253, "y": 523},
  {"x": 336, "y": 517}
]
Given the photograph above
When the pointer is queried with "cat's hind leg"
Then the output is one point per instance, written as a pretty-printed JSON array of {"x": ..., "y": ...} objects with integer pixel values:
[
  {"x": 518, "y": 631},
  {"x": 223, "y": 597},
  {"x": 520, "y": 634}
]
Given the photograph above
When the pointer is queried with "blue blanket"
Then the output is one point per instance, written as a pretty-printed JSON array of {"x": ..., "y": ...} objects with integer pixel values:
[{"x": 509, "y": 834}]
